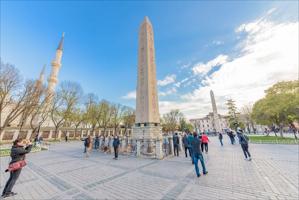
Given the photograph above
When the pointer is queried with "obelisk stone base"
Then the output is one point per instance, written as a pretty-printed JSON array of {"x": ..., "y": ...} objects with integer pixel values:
[{"x": 149, "y": 140}]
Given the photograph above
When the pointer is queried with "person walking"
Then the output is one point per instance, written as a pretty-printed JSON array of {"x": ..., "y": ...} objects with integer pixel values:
[
  {"x": 115, "y": 146},
  {"x": 88, "y": 146},
  {"x": 66, "y": 138},
  {"x": 197, "y": 155},
  {"x": 97, "y": 142},
  {"x": 18, "y": 151},
  {"x": 190, "y": 139},
  {"x": 220, "y": 137},
  {"x": 243, "y": 140},
  {"x": 176, "y": 142},
  {"x": 204, "y": 142},
  {"x": 185, "y": 144}
]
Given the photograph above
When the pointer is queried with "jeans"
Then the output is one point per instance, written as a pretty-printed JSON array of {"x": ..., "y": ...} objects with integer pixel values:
[
  {"x": 245, "y": 150},
  {"x": 186, "y": 149},
  {"x": 204, "y": 146},
  {"x": 11, "y": 181},
  {"x": 196, "y": 158},
  {"x": 176, "y": 150},
  {"x": 96, "y": 145},
  {"x": 115, "y": 152},
  {"x": 221, "y": 142},
  {"x": 191, "y": 154}
]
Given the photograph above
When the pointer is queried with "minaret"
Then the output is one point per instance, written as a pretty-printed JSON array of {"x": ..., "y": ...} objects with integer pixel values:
[
  {"x": 147, "y": 127},
  {"x": 56, "y": 64},
  {"x": 40, "y": 81},
  {"x": 215, "y": 113}
]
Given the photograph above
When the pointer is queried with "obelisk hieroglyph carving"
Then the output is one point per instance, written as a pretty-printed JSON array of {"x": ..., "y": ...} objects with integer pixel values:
[
  {"x": 147, "y": 122},
  {"x": 215, "y": 113}
]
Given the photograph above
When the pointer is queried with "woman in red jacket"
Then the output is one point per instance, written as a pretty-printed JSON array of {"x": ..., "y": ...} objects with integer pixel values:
[{"x": 204, "y": 141}]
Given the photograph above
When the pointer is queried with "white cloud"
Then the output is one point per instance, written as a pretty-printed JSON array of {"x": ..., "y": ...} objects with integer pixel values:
[
  {"x": 268, "y": 54},
  {"x": 168, "y": 92},
  {"x": 204, "y": 68},
  {"x": 178, "y": 84},
  {"x": 130, "y": 95},
  {"x": 167, "y": 80}
]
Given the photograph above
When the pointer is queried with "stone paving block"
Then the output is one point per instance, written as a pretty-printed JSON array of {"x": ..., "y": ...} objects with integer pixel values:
[{"x": 64, "y": 173}]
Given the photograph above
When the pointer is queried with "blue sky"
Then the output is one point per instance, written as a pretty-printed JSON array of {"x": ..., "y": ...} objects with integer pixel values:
[{"x": 101, "y": 38}]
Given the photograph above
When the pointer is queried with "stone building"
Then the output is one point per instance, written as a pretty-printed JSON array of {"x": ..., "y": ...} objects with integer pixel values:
[
  {"x": 207, "y": 123},
  {"x": 213, "y": 122}
]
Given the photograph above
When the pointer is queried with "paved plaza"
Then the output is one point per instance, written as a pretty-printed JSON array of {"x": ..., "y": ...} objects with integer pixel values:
[{"x": 63, "y": 173}]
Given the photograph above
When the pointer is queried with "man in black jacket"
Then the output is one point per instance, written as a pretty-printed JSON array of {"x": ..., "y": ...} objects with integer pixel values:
[
  {"x": 115, "y": 146},
  {"x": 243, "y": 140},
  {"x": 197, "y": 155},
  {"x": 176, "y": 142},
  {"x": 185, "y": 143},
  {"x": 17, "y": 154}
]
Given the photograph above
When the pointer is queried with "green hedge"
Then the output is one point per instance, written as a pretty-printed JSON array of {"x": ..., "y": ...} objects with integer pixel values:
[
  {"x": 272, "y": 140},
  {"x": 6, "y": 152}
]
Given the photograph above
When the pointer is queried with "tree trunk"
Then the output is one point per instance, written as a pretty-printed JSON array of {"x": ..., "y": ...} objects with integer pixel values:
[
  {"x": 295, "y": 136},
  {"x": 56, "y": 129},
  {"x": 281, "y": 131}
]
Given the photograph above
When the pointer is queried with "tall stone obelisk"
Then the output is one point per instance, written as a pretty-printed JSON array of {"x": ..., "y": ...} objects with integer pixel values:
[
  {"x": 147, "y": 130},
  {"x": 215, "y": 113}
]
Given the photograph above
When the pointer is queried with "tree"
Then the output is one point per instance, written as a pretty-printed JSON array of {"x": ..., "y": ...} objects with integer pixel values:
[
  {"x": 77, "y": 118},
  {"x": 128, "y": 118},
  {"x": 232, "y": 114},
  {"x": 14, "y": 99},
  {"x": 279, "y": 107},
  {"x": 106, "y": 115},
  {"x": 36, "y": 92},
  {"x": 40, "y": 114},
  {"x": 64, "y": 103},
  {"x": 92, "y": 110},
  {"x": 117, "y": 112},
  {"x": 171, "y": 120},
  {"x": 246, "y": 117},
  {"x": 185, "y": 126}
]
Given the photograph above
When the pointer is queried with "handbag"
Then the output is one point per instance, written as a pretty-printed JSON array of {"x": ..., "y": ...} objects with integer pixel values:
[{"x": 16, "y": 165}]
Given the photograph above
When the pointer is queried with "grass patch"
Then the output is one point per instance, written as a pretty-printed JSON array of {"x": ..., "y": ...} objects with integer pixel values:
[
  {"x": 272, "y": 140},
  {"x": 6, "y": 152}
]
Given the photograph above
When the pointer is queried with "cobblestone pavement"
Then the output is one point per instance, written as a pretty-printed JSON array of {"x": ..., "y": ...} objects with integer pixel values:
[{"x": 64, "y": 173}]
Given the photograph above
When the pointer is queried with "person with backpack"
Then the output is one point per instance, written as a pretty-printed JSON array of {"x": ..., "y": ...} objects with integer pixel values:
[
  {"x": 197, "y": 155},
  {"x": 18, "y": 151},
  {"x": 190, "y": 139},
  {"x": 243, "y": 140}
]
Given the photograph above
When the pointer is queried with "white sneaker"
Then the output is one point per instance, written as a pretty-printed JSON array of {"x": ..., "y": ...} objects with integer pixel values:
[{"x": 249, "y": 159}]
